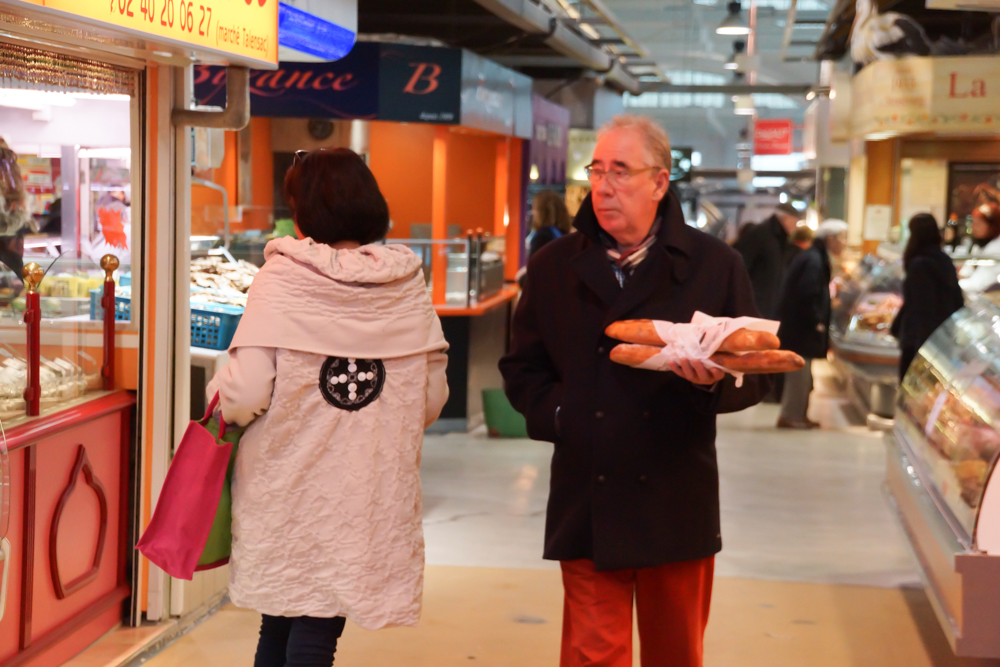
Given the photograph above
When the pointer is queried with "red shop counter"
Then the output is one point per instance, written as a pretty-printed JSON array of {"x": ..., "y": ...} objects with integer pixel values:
[{"x": 67, "y": 575}]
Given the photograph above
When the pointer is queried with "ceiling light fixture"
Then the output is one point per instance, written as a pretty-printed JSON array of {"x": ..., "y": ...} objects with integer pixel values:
[
  {"x": 738, "y": 47},
  {"x": 744, "y": 105},
  {"x": 811, "y": 95},
  {"x": 734, "y": 23}
]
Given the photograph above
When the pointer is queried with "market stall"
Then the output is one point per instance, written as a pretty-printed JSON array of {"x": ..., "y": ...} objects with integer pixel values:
[
  {"x": 444, "y": 131},
  {"x": 91, "y": 113},
  {"x": 942, "y": 459},
  {"x": 927, "y": 141}
]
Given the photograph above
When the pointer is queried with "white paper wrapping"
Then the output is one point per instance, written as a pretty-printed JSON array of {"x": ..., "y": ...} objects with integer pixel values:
[{"x": 700, "y": 338}]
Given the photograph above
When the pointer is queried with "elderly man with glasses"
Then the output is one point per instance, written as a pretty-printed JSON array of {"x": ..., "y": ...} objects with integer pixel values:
[{"x": 633, "y": 512}]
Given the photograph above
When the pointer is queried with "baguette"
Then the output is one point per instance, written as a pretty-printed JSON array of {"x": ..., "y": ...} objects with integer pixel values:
[
  {"x": 758, "y": 363},
  {"x": 643, "y": 332},
  {"x": 754, "y": 363}
]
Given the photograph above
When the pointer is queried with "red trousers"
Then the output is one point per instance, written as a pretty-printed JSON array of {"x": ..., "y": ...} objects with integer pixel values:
[{"x": 671, "y": 602}]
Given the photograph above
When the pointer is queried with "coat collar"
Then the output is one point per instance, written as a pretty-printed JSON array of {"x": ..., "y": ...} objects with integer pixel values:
[
  {"x": 668, "y": 259},
  {"x": 673, "y": 234},
  {"x": 778, "y": 229}
]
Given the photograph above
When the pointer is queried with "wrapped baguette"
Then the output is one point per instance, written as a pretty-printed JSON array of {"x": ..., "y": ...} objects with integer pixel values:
[
  {"x": 643, "y": 332},
  {"x": 754, "y": 363}
]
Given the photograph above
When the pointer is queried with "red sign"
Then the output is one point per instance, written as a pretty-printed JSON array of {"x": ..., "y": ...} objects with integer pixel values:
[{"x": 773, "y": 137}]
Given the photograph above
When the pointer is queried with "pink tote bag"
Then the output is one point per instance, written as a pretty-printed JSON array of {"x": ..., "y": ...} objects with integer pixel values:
[{"x": 182, "y": 520}]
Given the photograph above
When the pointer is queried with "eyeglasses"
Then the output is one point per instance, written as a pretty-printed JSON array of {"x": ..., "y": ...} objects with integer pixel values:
[
  {"x": 616, "y": 176},
  {"x": 300, "y": 156}
]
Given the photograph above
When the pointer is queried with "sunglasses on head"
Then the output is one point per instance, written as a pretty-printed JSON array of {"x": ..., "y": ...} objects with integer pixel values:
[{"x": 300, "y": 156}]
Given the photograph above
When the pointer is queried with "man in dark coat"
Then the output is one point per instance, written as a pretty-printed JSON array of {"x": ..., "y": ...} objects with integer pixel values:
[
  {"x": 767, "y": 249},
  {"x": 633, "y": 510},
  {"x": 804, "y": 311}
]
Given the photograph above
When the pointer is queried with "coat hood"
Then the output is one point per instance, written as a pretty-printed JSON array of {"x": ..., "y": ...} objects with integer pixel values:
[
  {"x": 367, "y": 303},
  {"x": 367, "y": 264}
]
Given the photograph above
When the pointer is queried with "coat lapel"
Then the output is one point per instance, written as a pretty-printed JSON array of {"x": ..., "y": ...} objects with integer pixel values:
[{"x": 594, "y": 269}]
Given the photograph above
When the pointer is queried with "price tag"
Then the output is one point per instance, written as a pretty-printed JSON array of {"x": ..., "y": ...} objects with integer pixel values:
[{"x": 245, "y": 28}]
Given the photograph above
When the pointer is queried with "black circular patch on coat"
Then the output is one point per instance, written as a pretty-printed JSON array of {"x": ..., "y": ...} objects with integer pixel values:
[{"x": 351, "y": 384}]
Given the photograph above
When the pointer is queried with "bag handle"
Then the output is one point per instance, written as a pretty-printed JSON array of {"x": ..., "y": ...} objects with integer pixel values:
[{"x": 212, "y": 406}]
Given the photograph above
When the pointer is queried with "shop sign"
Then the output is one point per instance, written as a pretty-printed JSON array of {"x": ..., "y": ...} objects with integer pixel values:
[
  {"x": 495, "y": 98},
  {"x": 773, "y": 136},
  {"x": 549, "y": 141},
  {"x": 247, "y": 29},
  {"x": 347, "y": 88},
  {"x": 419, "y": 84},
  {"x": 947, "y": 95},
  {"x": 394, "y": 82}
]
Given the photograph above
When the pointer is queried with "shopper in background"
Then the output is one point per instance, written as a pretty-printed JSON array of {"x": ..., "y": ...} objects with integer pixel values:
[
  {"x": 802, "y": 239},
  {"x": 930, "y": 289},
  {"x": 633, "y": 512},
  {"x": 804, "y": 311},
  {"x": 338, "y": 362},
  {"x": 766, "y": 250},
  {"x": 549, "y": 221},
  {"x": 985, "y": 243}
]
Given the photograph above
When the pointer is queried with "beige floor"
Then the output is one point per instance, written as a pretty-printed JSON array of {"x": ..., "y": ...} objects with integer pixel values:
[{"x": 511, "y": 617}]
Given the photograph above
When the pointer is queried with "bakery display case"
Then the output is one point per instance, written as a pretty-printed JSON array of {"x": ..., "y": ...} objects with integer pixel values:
[
  {"x": 866, "y": 302},
  {"x": 942, "y": 458}
]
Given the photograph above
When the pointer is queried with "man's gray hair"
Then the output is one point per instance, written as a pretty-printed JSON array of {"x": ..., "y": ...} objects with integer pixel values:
[{"x": 654, "y": 137}]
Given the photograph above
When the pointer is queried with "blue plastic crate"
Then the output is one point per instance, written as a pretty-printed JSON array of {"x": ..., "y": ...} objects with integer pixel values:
[
  {"x": 213, "y": 325},
  {"x": 123, "y": 306}
]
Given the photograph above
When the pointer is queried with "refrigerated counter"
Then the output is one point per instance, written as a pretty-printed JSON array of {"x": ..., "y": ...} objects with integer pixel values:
[
  {"x": 942, "y": 457},
  {"x": 865, "y": 305}
]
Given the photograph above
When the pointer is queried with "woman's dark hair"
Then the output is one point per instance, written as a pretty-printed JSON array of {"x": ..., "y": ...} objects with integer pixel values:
[
  {"x": 991, "y": 214},
  {"x": 334, "y": 197},
  {"x": 924, "y": 235},
  {"x": 552, "y": 211}
]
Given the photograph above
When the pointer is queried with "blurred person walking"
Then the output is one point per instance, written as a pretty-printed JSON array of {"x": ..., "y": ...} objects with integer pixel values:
[
  {"x": 633, "y": 511},
  {"x": 931, "y": 292},
  {"x": 766, "y": 249},
  {"x": 549, "y": 221},
  {"x": 804, "y": 312},
  {"x": 339, "y": 364},
  {"x": 985, "y": 243}
]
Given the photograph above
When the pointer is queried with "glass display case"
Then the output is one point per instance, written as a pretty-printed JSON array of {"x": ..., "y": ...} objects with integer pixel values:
[
  {"x": 941, "y": 473},
  {"x": 949, "y": 410},
  {"x": 865, "y": 304},
  {"x": 70, "y": 363}
]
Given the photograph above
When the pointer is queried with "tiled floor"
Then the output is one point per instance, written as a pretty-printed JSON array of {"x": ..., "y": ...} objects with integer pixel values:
[{"x": 814, "y": 570}]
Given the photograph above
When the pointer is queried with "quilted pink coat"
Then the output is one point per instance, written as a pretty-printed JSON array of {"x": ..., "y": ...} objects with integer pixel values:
[{"x": 339, "y": 362}]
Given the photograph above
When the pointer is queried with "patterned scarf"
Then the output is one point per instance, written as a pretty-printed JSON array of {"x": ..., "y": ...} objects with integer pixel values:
[{"x": 624, "y": 262}]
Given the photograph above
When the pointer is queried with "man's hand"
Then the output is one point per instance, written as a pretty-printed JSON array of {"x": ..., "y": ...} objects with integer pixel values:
[{"x": 696, "y": 371}]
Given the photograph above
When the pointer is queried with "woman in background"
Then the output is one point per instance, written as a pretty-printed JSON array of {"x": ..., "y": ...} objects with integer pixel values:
[
  {"x": 930, "y": 290},
  {"x": 549, "y": 221}
]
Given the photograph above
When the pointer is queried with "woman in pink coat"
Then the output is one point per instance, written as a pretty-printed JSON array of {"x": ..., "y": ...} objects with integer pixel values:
[{"x": 339, "y": 366}]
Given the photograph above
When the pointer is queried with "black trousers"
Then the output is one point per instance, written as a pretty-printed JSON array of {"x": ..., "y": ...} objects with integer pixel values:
[{"x": 301, "y": 641}]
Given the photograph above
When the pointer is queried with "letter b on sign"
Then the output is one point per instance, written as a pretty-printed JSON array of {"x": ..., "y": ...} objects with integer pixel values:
[{"x": 424, "y": 79}]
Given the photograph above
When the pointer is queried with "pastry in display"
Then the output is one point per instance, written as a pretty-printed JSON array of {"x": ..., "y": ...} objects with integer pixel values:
[
  {"x": 217, "y": 280},
  {"x": 877, "y": 311}
]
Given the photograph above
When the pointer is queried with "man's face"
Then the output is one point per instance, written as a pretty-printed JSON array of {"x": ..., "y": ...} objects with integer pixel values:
[
  {"x": 626, "y": 205},
  {"x": 789, "y": 222},
  {"x": 836, "y": 244}
]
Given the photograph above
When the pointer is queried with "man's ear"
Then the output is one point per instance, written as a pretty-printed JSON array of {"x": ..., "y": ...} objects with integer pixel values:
[{"x": 662, "y": 183}]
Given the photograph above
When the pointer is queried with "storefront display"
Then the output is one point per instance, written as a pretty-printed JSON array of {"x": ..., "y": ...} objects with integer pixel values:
[{"x": 942, "y": 458}]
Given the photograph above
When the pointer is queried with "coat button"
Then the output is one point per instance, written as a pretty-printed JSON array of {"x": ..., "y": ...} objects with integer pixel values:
[
  {"x": 601, "y": 479},
  {"x": 599, "y": 414},
  {"x": 642, "y": 479}
]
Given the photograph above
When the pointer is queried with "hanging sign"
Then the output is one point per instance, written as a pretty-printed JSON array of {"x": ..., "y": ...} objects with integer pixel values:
[
  {"x": 773, "y": 136},
  {"x": 942, "y": 95},
  {"x": 247, "y": 29}
]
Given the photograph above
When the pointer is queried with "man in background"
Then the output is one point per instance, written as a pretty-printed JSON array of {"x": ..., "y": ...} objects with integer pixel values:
[{"x": 767, "y": 250}]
